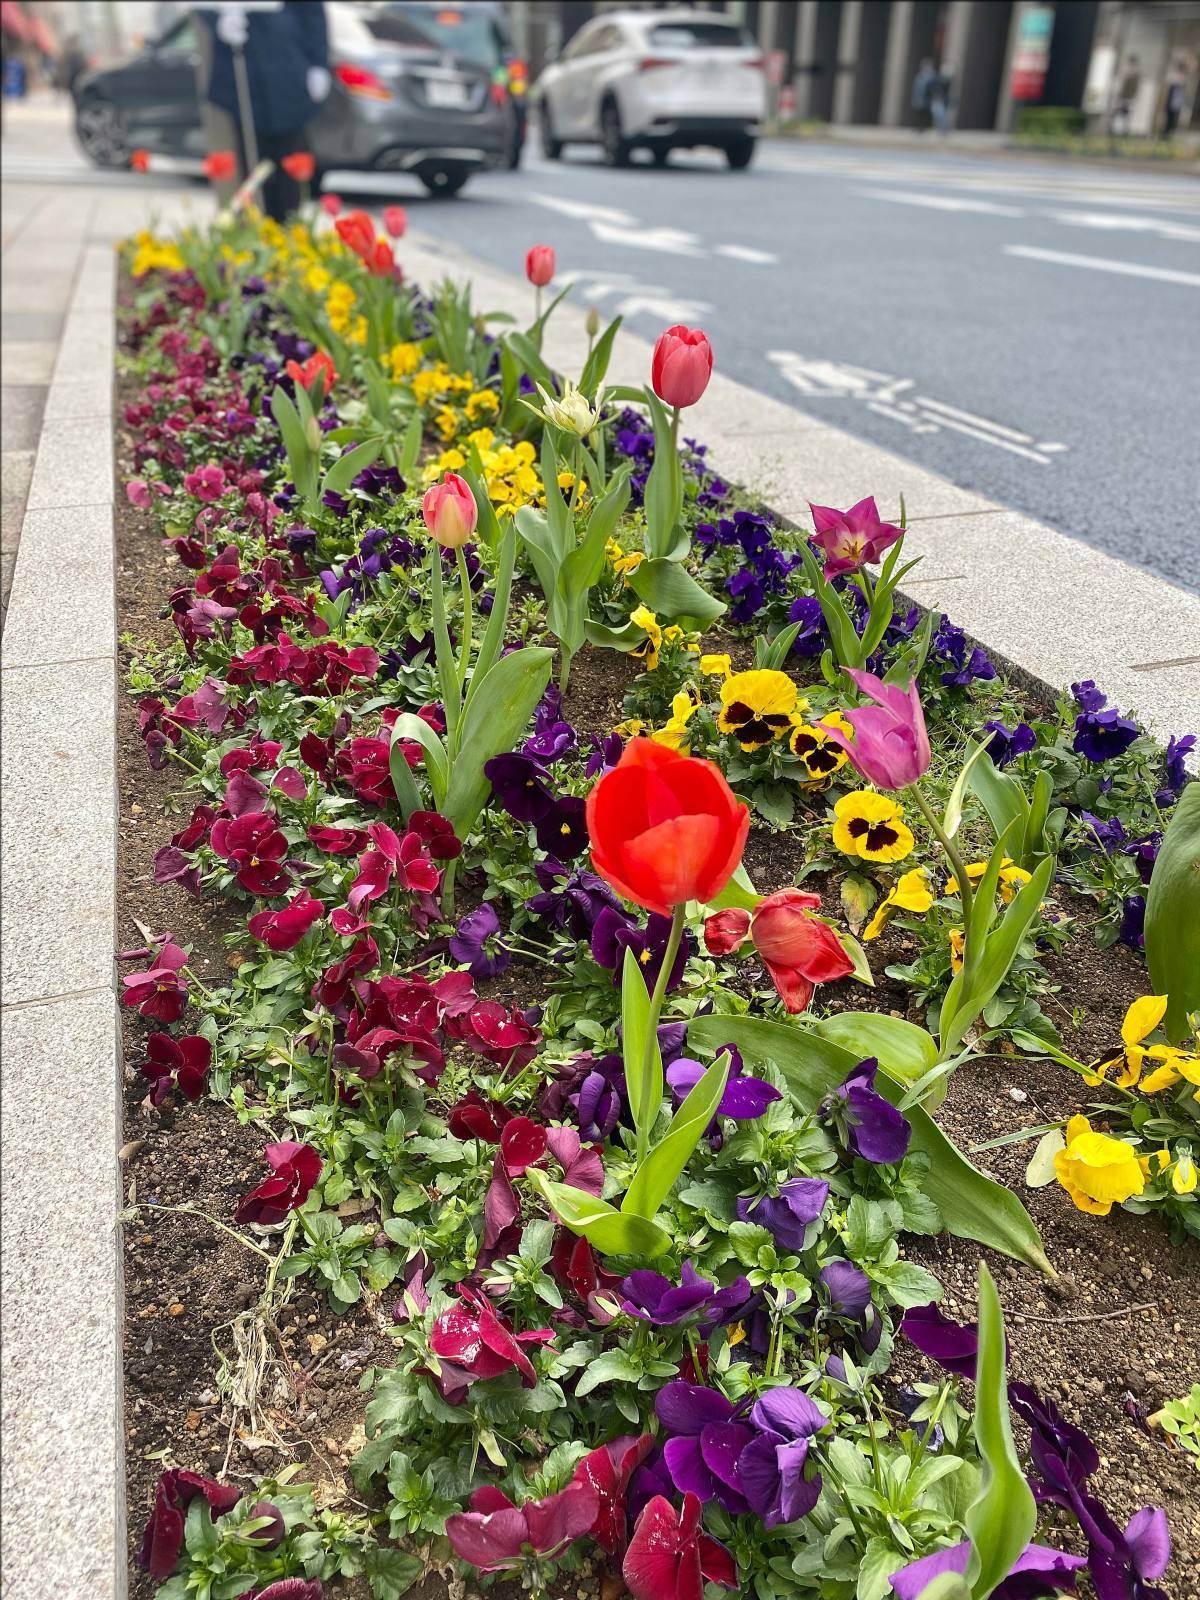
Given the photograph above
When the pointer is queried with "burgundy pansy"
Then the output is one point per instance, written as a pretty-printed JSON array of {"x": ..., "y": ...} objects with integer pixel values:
[
  {"x": 671, "y": 1558},
  {"x": 473, "y": 1117},
  {"x": 283, "y": 930},
  {"x": 291, "y": 1589},
  {"x": 473, "y": 1341},
  {"x": 254, "y": 847},
  {"x": 176, "y": 1064},
  {"x": 609, "y": 1470},
  {"x": 160, "y": 992},
  {"x": 494, "y": 1533},
  {"x": 296, "y": 1167},
  {"x": 176, "y": 1489}
]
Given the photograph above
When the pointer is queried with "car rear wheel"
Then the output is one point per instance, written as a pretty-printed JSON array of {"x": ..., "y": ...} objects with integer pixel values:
[
  {"x": 740, "y": 153},
  {"x": 101, "y": 133},
  {"x": 552, "y": 148},
  {"x": 616, "y": 146},
  {"x": 443, "y": 182},
  {"x": 661, "y": 154}
]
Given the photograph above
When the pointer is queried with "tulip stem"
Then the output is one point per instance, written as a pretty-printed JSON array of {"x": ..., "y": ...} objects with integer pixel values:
[
  {"x": 956, "y": 861},
  {"x": 468, "y": 618},
  {"x": 649, "y": 1112}
]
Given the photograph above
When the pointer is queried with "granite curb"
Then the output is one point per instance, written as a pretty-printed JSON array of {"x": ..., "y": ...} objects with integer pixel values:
[{"x": 62, "y": 1486}]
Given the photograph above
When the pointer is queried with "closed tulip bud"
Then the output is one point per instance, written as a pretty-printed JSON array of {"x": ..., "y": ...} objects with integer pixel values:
[
  {"x": 593, "y": 322},
  {"x": 312, "y": 433},
  {"x": 682, "y": 366},
  {"x": 450, "y": 511},
  {"x": 395, "y": 221},
  {"x": 331, "y": 204},
  {"x": 539, "y": 265}
]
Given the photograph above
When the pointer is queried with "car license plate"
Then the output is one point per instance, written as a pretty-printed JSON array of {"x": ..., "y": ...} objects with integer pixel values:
[{"x": 446, "y": 94}]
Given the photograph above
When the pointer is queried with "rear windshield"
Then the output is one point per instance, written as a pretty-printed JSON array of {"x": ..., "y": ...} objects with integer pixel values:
[
  {"x": 699, "y": 36},
  {"x": 468, "y": 31}
]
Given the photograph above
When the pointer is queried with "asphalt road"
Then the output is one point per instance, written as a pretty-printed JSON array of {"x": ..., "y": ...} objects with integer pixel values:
[
  {"x": 1029, "y": 329},
  {"x": 905, "y": 297}
]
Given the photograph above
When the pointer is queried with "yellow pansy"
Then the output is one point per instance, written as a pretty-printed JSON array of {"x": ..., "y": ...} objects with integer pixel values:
[
  {"x": 647, "y": 651},
  {"x": 1157, "y": 1161},
  {"x": 757, "y": 707},
  {"x": 446, "y": 423},
  {"x": 821, "y": 755},
  {"x": 151, "y": 254},
  {"x": 958, "y": 945},
  {"x": 631, "y": 729},
  {"x": 1097, "y": 1171},
  {"x": 871, "y": 826},
  {"x": 1174, "y": 1066},
  {"x": 483, "y": 403},
  {"x": 1010, "y": 879},
  {"x": 1143, "y": 1016},
  {"x": 674, "y": 732},
  {"x": 1183, "y": 1174},
  {"x": 402, "y": 360},
  {"x": 910, "y": 893},
  {"x": 622, "y": 561},
  {"x": 316, "y": 279},
  {"x": 715, "y": 666}
]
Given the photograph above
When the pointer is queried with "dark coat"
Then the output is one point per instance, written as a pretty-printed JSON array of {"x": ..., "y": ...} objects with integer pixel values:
[{"x": 280, "y": 48}]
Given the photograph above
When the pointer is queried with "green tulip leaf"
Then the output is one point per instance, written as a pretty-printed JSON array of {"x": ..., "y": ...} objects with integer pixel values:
[
  {"x": 670, "y": 591},
  {"x": 495, "y": 718},
  {"x": 612, "y": 1232}
]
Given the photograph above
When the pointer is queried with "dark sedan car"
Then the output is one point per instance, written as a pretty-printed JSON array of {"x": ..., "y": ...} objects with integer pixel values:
[{"x": 402, "y": 101}]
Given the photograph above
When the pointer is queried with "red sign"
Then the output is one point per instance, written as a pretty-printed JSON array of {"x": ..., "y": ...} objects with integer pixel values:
[{"x": 1032, "y": 54}]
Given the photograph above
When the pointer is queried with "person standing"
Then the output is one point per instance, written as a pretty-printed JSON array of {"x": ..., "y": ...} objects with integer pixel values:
[
  {"x": 286, "y": 50},
  {"x": 939, "y": 100},
  {"x": 922, "y": 94},
  {"x": 1173, "y": 101}
]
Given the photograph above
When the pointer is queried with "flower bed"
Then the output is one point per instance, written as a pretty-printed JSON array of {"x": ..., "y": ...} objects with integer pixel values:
[{"x": 603, "y": 924}]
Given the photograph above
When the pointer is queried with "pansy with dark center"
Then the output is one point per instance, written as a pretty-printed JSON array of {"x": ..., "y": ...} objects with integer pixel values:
[
  {"x": 870, "y": 1126},
  {"x": 821, "y": 755},
  {"x": 757, "y": 707},
  {"x": 1100, "y": 735},
  {"x": 871, "y": 826},
  {"x": 521, "y": 784},
  {"x": 562, "y": 830},
  {"x": 614, "y": 932}
]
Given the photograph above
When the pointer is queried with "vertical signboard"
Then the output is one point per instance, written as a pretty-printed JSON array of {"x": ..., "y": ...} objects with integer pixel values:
[{"x": 1032, "y": 55}]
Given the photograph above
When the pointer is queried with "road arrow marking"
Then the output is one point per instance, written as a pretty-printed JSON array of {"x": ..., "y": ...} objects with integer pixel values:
[
  {"x": 584, "y": 211},
  {"x": 942, "y": 202},
  {"x": 745, "y": 252}
]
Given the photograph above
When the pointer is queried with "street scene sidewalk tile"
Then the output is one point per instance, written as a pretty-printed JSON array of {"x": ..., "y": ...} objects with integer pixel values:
[
  {"x": 74, "y": 467},
  {"x": 61, "y": 607}
]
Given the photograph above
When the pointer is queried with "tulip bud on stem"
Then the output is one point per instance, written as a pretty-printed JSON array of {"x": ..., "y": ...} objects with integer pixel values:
[{"x": 678, "y": 917}]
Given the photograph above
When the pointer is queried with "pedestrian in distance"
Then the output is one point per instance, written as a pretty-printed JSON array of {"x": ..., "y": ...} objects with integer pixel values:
[
  {"x": 939, "y": 100},
  {"x": 286, "y": 51},
  {"x": 922, "y": 94},
  {"x": 1173, "y": 101}
]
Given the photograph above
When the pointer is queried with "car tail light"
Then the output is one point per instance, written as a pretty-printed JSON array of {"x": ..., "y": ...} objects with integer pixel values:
[
  {"x": 649, "y": 63},
  {"x": 361, "y": 81},
  {"x": 758, "y": 64},
  {"x": 499, "y": 93}
]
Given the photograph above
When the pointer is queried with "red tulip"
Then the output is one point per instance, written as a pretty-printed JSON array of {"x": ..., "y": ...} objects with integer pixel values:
[
  {"x": 395, "y": 221},
  {"x": 539, "y": 265},
  {"x": 220, "y": 166},
  {"x": 665, "y": 828},
  {"x": 316, "y": 366},
  {"x": 380, "y": 259},
  {"x": 670, "y": 1558},
  {"x": 300, "y": 165},
  {"x": 797, "y": 949},
  {"x": 331, "y": 204},
  {"x": 139, "y": 161},
  {"x": 357, "y": 231},
  {"x": 450, "y": 511},
  {"x": 682, "y": 365}
]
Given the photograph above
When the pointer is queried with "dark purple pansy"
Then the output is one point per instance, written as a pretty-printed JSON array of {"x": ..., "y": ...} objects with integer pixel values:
[
  {"x": 1101, "y": 735},
  {"x": 521, "y": 785},
  {"x": 605, "y": 754},
  {"x": 953, "y": 1345},
  {"x": 569, "y": 900},
  {"x": 1051, "y": 1435},
  {"x": 810, "y": 640},
  {"x": 1038, "y": 1571},
  {"x": 771, "y": 1468},
  {"x": 744, "y": 1098},
  {"x": 1178, "y": 751},
  {"x": 1087, "y": 697},
  {"x": 1004, "y": 746},
  {"x": 614, "y": 932},
  {"x": 848, "y": 1289},
  {"x": 870, "y": 1125},
  {"x": 562, "y": 828},
  {"x": 706, "y": 1441},
  {"x": 654, "y": 1298},
  {"x": 1132, "y": 931},
  {"x": 476, "y": 943},
  {"x": 789, "y": 1214}
]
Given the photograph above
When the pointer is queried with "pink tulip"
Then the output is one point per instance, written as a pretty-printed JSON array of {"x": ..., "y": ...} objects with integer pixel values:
[
  {"x": 850, "y": 539},
  {"x": 450, "y": 511},
  {"x": 331, "y": 204},
  {"x": 798, "y": 950},
  {"x": 682, "y": 365},
  {"x": 890, "y": 747},
  {"x": 395, "y": 221},
  {"x": 539, "y": 265}
]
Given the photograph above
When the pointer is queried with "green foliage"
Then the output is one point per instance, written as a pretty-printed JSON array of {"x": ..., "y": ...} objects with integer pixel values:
[{"x": 1173, "y": 916}]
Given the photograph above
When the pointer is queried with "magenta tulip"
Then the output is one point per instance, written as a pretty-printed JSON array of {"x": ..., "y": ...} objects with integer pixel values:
[
  {"x": 851, "y": 539},
  {"x": 681, "y": 366},
  {"x": 890, "y": 747}
]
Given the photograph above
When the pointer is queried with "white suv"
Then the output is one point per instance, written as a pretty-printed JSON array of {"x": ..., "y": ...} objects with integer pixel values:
[{"x": 658, "y": 80}]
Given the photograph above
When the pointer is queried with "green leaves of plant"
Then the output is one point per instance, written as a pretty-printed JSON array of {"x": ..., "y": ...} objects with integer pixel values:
[
  {"x": 644, "y": 1083},
  {"x": 974, "y": 1206},
  {"x": 496, "y": 714},
  {"x": 670, "y": 591},
  {"x": 664, "y": 487},
  {"x": 1026, "y": 822},
  {"x": 612, "y": 1232},
  {"x": 657, "y": 1174},
  {"x": 1001, "y": 1519}
]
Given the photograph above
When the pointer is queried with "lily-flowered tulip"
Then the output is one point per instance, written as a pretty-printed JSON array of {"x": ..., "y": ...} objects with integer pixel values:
[
  {"x": 472, "y": 1342},
  {"x": 797, "y": 949},
  {"x": 671, "y": 1558},
  {"x": 572, "y": 412},
  {"x": 495, "y": 1534},
  {"x": 665, "y": 828},
  {"x": 851, "y": 539},
  {"x": 296, "y": 1168},
  {"x": 395, "y": 221},
  {"x": 788, "y": 1215},
  {"x": 681, "y": 366},
  {"x": 539, "y": 265},
  {"x": 450, "y": 511},
  {"x": 1038, "y": 1570},
  {"x": 890, "y": 747}
]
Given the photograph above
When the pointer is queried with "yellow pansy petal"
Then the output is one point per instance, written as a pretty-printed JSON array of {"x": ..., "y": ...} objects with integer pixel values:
[
  {"x": 1143, "y": 1017},
  {"x": 1183, "y": 1178}
]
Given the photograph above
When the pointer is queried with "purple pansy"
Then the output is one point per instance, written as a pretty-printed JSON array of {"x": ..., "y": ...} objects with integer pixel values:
[
  {"x": 1132, "y": 931},
  {"x": 1005, "y": 746},
  {"x": 476, "y": 944},
  {"x": 1087, "y": 697},
  {"x": 562, "y": 828},
  {"x": 702, "y": 1454},
  {"x": 953, "y": 1345},
  {"x": 654, "y": 1298},
  {"x": 848, "y": 1289},
  {"x": 614, "y": 933},
  {"x": 744, "y": 1098},
  {"x": 1038, "y": 1571},
  {"x": 810, "y": 640},
  {"x": 1101, "y": 735},
  {"x": 788, "y": 1215},
  {"x": 771, "y": 1468},
  {"x": 871, "y": 1126},
  {"x": 569, "y": 900},
  {"x": 1178, "y": 751},
  {"x": 521, "y": 785}
]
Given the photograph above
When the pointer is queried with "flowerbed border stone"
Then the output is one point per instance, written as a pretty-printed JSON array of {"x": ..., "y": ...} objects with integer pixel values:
[{"x": 1047, "y": 607}]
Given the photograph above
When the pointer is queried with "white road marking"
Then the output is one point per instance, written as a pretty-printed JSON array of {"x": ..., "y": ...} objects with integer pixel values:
[
  {"x": 942, "y": 202},
  {"x": 1130, "y": 269},
  {"x": 584, "y": 210},
  {"x": 745, "y": 252},
  {"x": 665, "y": 307},
  {"x": 670, "y": 241},
  {"x": 1115, "y": 221},
  {"x": 651, "y": 298}
]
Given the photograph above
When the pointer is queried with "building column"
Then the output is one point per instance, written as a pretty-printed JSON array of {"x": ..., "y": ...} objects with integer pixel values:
[
  {"x": 846, "y": 67},
  {"x": 806, "y": 56},
  {"x": 897, "y": 66}
]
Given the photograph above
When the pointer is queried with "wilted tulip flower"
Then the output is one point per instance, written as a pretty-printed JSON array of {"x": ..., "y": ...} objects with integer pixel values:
[
  {"x": 681, "y": 366},
  {"x": 798, "y": 950}
]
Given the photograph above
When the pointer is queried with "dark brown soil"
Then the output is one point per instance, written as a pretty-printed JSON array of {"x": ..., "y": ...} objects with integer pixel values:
[{"x": 1109, "y": 1339}]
